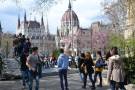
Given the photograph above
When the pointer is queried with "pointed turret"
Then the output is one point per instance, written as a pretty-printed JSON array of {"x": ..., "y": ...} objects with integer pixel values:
[
  {"x": 18, "y": 22},
  {"x": 47, "y": 28},
  {"x": 0, "y": 28},
  {"x": 58, "y": 32},
  {"x": 69, "y": 6},
  {"x": 42, "y": 21},
  {"x": 25, "y": 18},
  {"x": 0, "y": 34}
]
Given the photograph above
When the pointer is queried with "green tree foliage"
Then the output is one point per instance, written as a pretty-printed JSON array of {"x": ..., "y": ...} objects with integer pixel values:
[
  {"x": 116, "y": 39},
  {"x": 130, "y": 68},
  {"x": 56, "y": 53},
  {"x": 130, "y": 46}
]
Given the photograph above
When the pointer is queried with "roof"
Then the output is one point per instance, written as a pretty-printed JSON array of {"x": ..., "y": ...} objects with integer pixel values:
[
  {"x": 31, "y": 24},
  {"x": 68, "y": 16}
]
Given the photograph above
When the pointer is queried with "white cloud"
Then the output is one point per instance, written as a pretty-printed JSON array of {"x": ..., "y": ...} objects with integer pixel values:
[{"x": 85, "y": 9}]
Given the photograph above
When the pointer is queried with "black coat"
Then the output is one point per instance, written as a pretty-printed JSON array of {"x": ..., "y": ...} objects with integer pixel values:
[
  {"x": 23, "y": 60},
  {"x": 80, "y": 62},
  {"x": 89, "y": 64}
]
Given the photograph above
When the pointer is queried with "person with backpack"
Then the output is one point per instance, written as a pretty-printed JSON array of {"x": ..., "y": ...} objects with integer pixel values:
[
  {"x": 100, "y": 63},
  {"x": 34, "y": 65}
]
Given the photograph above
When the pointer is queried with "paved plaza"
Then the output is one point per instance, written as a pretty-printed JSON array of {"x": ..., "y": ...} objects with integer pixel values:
[
  {"x": 52, "y": 83},
  {"x": 49, "y": 83},
  {"x": 50, "y": 80}
]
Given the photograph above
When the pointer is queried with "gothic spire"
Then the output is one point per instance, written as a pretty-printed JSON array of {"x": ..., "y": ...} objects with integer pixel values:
[
  {"x": 18, "y": 21},
  {"x": 58, "y": 32},
  {"x": 0, "y": 27},
  {"x": 47, "y": 28},
  {"x": 42, "y": 21},
  {"x": 69, "y": 6},
  {"x": 25, "y": 18}
]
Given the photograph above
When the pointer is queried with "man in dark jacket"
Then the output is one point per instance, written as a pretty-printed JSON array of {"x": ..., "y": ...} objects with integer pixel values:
[{"x": 24, "y": 68}]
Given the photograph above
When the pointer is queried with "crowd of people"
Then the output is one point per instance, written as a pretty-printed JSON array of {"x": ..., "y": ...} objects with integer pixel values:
[
  {"x": 30, "y": 62},
  {"x": 32, "y": 65},
  {"x": 88, "y": 67}
]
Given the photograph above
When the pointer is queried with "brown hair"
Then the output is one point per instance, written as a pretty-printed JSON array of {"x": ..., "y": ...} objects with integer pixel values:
[
  {"x": 114, "y": 51},
  {"x": 88, "y": 55}
]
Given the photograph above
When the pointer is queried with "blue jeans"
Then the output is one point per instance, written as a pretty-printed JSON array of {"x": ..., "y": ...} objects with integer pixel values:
[
  {"x": 25, "y": 77},
  {"x": 85, "y": 79},
  {"x": 31, "y": 78},
  {"x": 63, "y": 75},
  {"x": 115, "y": 86},
  {"x": 100, "y": 77},
  {"x": 81, "y": 76}
]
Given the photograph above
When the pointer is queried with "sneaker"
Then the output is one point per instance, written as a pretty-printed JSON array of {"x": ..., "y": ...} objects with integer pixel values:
[
  {"x": 23, "y": 87},
  {"x": 66, "y": 88},
  {"x": 93, "y": 88},
  {"x": 99, "y": 85},
  {"x": 84, "y": 87}
]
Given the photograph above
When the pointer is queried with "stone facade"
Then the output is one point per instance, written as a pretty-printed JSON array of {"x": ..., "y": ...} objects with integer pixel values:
[{"x": 38, "y": 34}]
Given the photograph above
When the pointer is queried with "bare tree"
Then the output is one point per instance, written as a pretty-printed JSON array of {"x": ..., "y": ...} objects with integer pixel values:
[{"x": 116, "y": 11}]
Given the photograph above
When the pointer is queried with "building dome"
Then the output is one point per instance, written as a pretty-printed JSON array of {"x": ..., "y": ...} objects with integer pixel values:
[{"x": 69, "y": 17}]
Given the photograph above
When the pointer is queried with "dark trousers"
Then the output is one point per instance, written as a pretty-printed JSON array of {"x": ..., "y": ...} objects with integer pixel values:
[
  {"x": 63, "y": 76},
  {"x": 100, "y": 77},
  {"x": 116, "y": 85},
  {"x": 85, "y": 79},
  {"x": 25, "y": 77}
]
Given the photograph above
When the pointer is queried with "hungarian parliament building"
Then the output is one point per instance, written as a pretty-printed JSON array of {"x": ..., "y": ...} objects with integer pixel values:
[
  {"x": 38, "y": 33},
  {"x": 70, "y": 35}
]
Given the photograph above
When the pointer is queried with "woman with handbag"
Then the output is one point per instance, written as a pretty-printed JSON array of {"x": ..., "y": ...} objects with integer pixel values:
[
  {"x": 100, "y": 63},
  {"x": 88, "y": 70}
]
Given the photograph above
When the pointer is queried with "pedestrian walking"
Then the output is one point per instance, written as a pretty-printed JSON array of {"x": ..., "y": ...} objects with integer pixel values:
[
  {"x": 34, "y": 65},
  {"x": 88, "y": 70},
  {"x": 80, "y": 62},
  {"x": 63, "y": 64},
  {"x": 116, "y": 73},
  {"x": 24, "y": 69},
  {"x": 100, "y": 63}
]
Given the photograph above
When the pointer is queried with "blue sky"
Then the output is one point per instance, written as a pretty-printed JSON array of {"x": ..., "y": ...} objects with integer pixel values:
[{"x": 88, "y": 11}]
